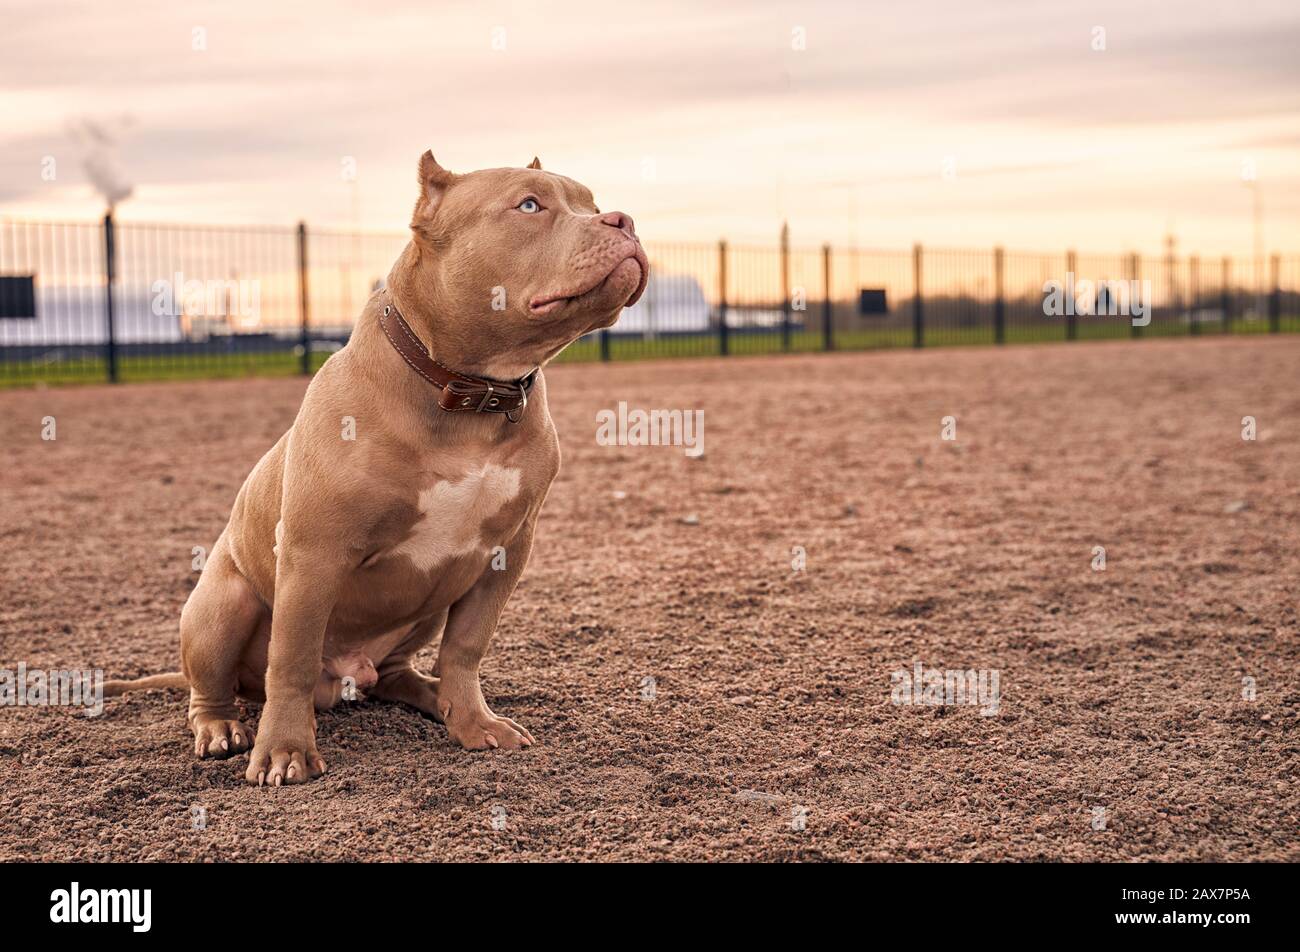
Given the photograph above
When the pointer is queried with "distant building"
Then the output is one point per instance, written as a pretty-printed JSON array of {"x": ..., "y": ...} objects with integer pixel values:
[
  {"x": 671, "y": 304},
  {"x": 75, "y": 315}
]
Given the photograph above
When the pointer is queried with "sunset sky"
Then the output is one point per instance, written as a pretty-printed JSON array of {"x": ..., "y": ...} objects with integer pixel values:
[{"x": 952, "y": 122}]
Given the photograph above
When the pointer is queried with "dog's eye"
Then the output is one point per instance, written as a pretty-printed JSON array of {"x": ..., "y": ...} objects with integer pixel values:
[{"x": 529, "y": 206}]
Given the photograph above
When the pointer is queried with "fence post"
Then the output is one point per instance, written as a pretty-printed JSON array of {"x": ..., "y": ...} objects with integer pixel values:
[
  {"x": 785, "y": 286},
  {"x": 1275, "y": 295},
  {"x": 1071, "y": 279},
  {"x": 722, "y": 298},
  {"x": 828, "y": 314},
  {"x": 1194, "y": 295},
  {"x": 110, "y": 274},
  {"x": 604, "y": 343},
  {"x": 1226, "y": 295},
  {"x": 999, "y": 302},
  {"x": 1134, "y": 329},
  {"x": 304, "y": 307},
  {"x": 918, "y": 318}
]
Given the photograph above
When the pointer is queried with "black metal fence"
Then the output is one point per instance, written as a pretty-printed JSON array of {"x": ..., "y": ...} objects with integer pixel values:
[{"x": 105, "y": 301}]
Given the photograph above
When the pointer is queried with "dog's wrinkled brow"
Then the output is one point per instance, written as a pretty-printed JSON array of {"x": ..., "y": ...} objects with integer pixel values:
[{"x": 576, "y": 193}]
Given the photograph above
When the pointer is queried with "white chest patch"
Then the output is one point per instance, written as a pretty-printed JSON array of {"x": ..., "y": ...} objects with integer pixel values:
[{"x": 452, "y": 514}]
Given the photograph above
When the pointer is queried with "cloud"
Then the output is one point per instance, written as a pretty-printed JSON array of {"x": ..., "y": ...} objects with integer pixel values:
[{"x": 741, "y": 126}]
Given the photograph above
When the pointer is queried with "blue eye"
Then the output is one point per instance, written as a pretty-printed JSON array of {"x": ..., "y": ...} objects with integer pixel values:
[{"x": 529, "y": 206}]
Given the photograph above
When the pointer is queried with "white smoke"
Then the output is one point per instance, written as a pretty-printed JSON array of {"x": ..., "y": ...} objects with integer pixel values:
[{"x": 99, "y": 143}]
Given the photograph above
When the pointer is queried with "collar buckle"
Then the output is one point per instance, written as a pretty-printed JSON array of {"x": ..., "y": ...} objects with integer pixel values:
[{"x": 523, "y": 405}]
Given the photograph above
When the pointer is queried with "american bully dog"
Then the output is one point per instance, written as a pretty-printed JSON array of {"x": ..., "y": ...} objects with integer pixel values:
[{"x": 401, "y": 504}]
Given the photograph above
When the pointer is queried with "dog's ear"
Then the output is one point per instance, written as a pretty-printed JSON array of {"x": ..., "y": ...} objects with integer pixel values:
[
  {"x": 535, "y": 164},
  {"x": 434, "y": 180}
]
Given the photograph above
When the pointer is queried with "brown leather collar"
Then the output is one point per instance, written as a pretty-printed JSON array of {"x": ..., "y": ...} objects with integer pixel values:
[{"x": 458, "y": 391}]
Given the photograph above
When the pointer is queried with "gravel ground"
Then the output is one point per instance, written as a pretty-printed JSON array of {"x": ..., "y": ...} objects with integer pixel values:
[{"x": 769, "y": 707}]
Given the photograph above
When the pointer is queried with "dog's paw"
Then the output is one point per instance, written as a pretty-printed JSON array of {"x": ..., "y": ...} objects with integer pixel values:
[
  {"x": 218, "y": 737},
  {"x": 276, "y": 766},
  {"x": 486, "y": 731}
]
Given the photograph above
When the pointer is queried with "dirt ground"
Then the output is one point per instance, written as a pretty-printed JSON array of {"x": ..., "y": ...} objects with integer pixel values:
[{"x": 770, "y": 707}]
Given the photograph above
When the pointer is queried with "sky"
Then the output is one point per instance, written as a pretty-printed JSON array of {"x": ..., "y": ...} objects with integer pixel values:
[{"x": 1035, "y": 125}]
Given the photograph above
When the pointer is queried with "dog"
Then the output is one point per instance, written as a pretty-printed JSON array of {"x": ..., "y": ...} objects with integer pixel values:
[{"x": 401, "y": 504}]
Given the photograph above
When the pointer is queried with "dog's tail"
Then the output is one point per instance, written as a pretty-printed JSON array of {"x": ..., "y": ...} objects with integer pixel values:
[{"x": 173, "y": 679}]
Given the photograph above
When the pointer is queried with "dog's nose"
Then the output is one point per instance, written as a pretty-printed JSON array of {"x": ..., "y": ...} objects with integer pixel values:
[{"x": 620, "y": 221}]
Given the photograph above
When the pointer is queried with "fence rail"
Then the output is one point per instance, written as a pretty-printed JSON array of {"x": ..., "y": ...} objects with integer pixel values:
[{"x": 110, "y": 301}]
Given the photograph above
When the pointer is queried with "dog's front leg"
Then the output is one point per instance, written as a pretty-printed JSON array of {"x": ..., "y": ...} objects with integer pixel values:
[
  {"x": 470, "y": 626},
  {"x": 285, "y": 749}
]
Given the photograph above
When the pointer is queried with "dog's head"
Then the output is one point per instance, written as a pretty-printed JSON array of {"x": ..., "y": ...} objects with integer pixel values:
[{"x": 515, "y": 264}]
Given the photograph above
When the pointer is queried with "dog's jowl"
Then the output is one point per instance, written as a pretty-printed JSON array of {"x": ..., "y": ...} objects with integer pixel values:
[{"x": 344, "y": 557}]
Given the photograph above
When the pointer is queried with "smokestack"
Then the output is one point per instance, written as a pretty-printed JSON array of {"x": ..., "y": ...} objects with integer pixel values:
[{"x": 99, "y": 145}]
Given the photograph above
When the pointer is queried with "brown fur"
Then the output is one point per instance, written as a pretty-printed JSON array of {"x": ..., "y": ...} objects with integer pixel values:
[{"x": 344, "y": 558}]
